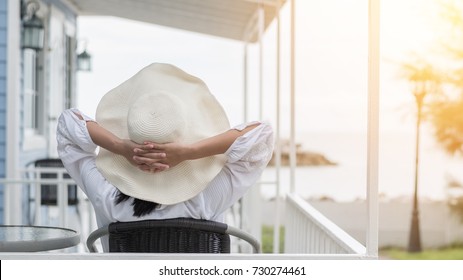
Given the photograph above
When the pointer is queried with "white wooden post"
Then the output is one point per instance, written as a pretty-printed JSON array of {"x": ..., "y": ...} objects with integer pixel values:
[{"x": 373, "y": 127}]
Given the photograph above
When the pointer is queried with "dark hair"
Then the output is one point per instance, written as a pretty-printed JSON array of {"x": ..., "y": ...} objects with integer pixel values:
[{"x": 140, "y": 207}]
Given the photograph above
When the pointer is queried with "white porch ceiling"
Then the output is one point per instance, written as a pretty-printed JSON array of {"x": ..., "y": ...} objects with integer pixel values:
[{"x": 222, "y": 18}]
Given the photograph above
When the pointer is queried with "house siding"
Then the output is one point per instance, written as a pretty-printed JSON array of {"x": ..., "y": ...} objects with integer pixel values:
[
  {"x": 29, "y": 156},
  {"x": 25, "y": 155},
  {"x": 3, "y": 72}
]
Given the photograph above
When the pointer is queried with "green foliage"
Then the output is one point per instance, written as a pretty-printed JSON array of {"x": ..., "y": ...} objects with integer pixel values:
[
  {"x": 267, "y": 239},
  {"x": 447, "y": 119},
  {"x": 446, "y": 114},
  {"x": 452, "y": 252}
]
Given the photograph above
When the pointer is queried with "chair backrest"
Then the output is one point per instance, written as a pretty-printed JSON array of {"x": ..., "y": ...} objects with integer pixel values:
[{"x": 181, "y": 235}]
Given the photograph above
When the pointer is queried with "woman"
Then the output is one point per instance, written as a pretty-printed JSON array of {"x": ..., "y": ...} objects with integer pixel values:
[{"x": 166, "y": 150}]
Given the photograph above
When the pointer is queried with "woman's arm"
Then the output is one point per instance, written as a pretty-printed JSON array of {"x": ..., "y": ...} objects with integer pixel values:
[
  {"x": 178, "y": 152},
  {"x": 218, "y": 144}
]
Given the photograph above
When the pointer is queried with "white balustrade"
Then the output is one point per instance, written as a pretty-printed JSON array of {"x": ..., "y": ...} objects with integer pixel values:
[{"x": 307, "y": 231}]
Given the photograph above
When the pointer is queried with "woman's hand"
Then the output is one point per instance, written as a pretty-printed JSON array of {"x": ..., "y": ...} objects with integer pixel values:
[
  {"x": 154, "y": 155},
  {"x": 128, "y": 149}
]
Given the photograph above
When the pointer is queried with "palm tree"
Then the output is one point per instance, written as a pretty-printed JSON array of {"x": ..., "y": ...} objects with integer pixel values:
[
  {"x": 447, "y": 114},
  {"x": 425, "y": 81},
  {"x": 447, "y": 120}
]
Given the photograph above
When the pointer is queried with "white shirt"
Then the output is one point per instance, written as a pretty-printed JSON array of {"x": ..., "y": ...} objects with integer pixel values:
[{"x": 246, "y": 159}]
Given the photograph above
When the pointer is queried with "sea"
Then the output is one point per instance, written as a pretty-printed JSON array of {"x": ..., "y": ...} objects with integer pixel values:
[{"x": 347, "y": 181}]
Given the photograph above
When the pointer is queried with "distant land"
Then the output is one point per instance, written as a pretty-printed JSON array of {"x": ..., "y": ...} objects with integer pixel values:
[{"x": 303, "y": 157}]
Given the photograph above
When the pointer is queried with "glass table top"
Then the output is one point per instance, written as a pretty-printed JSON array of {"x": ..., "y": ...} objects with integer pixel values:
[{"x": 36, "y": 238}]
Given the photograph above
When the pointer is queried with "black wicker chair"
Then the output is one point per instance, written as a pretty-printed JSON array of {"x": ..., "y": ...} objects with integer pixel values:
[{"x": 180, "y": 235}]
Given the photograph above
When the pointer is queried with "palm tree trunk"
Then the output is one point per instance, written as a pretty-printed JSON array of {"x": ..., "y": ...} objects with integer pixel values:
[{"x": 414, "y": 242}]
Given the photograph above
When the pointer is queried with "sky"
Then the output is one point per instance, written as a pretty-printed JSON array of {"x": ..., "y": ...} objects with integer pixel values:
[
  {"x": 331, "y": 62},
  {"x": 331, "y": 79}
]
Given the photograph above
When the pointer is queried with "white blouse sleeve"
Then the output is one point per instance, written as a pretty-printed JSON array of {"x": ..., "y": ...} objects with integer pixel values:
[
  {"x": 246, "y": 159},
  {"x": 78, "y": 153},
  {"x": 75, "y": 146},
  {"x": 253, "y": 150}
]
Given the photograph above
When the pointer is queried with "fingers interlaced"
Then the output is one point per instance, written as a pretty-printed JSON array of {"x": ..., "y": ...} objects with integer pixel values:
[
  {"x": 154, "y": 168},
  {"x": 143, "y": 150},
  {"x": 149, "y": 157}
]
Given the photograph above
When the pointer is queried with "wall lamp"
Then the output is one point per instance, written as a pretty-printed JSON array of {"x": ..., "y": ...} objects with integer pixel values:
[
  {"x": 32, "y": 36},
  {"x": 84, "y": 60}
]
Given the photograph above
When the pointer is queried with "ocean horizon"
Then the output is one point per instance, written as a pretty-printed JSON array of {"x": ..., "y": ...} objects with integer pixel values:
[{"x": 347, "y": 180}]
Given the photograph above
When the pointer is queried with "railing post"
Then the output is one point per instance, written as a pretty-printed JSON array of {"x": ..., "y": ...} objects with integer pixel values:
[
  {"x": 38, "y": 199},
  {"x": 62, "y": 197}
]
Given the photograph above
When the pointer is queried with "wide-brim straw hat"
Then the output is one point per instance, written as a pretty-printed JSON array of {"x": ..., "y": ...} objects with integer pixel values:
[{"x": 161, "y": 103}]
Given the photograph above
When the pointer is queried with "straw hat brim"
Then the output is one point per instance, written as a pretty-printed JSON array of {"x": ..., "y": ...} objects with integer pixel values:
[{"x": 204, "y": 115}]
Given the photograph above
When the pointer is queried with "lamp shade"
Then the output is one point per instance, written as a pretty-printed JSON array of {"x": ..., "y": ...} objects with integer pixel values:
[
  {"x": 33, "y": 33},
  {"x": 84, "y": 61}
]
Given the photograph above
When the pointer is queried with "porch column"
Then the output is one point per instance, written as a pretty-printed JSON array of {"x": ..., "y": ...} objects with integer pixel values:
[
  {"x": 245, "y": 82},
  {"x": 276, "y": 231},
  {"x": 373, "y": 127},
  {"x": 292, "y": 136}
]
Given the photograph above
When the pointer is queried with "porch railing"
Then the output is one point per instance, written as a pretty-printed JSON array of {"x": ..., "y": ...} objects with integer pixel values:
[
  {"x": 307, "y": 231},
  {"x": 32, "y": 179},
  {"x": 30, "y": 185}
]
